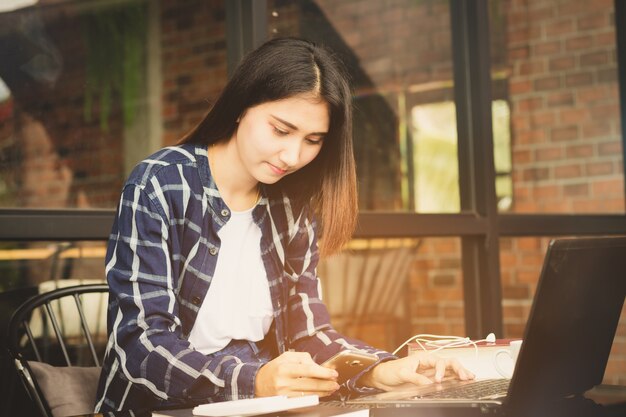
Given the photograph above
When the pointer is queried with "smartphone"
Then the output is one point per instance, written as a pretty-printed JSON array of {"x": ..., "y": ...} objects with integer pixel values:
[{"x": 348, "y": 363}]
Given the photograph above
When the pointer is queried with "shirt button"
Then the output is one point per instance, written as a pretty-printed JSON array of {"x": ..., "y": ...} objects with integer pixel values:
[
  {"x": 213, "y": 251},
  {"x": 195, "y": 300},
  {"x": 225, "y": 213}
]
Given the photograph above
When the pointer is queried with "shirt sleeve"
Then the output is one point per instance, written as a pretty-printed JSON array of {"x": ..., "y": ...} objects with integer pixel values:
[
  {"x": 146, "y": 331},
  {"x": 309, "y": 327}
]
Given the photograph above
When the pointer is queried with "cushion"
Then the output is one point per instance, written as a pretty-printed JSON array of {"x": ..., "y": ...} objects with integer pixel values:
[{"x": 69, "y": 390}]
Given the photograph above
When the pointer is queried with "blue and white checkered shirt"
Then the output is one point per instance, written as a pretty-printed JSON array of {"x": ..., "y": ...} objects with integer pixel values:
[{"x": 160, "y": 261}]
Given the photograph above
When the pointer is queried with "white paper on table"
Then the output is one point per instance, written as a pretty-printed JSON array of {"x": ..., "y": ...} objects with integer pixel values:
[{"x": 252, "y": 406}]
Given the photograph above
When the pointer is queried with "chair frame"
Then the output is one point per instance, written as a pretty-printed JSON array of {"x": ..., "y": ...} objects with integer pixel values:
[{"x": 19, "y": 324}]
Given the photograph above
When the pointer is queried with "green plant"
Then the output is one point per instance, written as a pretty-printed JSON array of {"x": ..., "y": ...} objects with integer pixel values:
[{"x": 115, "y": 40}]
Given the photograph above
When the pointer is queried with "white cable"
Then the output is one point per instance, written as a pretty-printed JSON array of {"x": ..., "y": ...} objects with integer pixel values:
[{"x": 424, "y": 341}]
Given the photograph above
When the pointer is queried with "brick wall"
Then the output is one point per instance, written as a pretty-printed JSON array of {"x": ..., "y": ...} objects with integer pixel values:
[
  {"x": 564, "y": 102},
  {"x": 566, "y": 135},
  {"x": 560, "y": 66},
  {"x": 53, "y": 156},
  {"x": 193, "y": 62}
]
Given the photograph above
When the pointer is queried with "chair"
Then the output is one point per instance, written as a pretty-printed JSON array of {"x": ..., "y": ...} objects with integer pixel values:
[
  {"x": 58, "y": 365},
  {"x": 366, "y": 286}
]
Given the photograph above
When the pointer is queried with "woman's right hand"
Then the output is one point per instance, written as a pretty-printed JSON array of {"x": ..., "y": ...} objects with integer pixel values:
[{"x": 294, "y": 374}]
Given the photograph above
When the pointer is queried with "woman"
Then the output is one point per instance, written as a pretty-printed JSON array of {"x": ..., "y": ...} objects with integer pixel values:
[{"x": 211, "y": 261}]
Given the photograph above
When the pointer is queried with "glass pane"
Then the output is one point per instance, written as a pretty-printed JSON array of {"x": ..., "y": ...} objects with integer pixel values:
[
  {"x": 403, "y": 94},
  {"x": 33, "y": 264},
  {"x": 521, "y": 260},
  {"x": 36, "y": 267},
  {"x": 89, "y": 88},
  {"x": 554, "y": 65},
  {"x": 383, "y": 291}
]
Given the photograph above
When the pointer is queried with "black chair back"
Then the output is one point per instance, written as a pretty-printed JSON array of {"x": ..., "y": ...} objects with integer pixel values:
[{"x": 57, "y": 328}]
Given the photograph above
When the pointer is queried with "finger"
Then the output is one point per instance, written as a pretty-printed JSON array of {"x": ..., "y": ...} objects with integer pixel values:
[
  {"x": 314, "y": 385},
  {"x": 440, "y": 369},
  {"x": 297, "y": 357},
  {"x": 461, "y": 372},
  {"x": 312, "y": 370},
  {"x": 413, "y": 377}
]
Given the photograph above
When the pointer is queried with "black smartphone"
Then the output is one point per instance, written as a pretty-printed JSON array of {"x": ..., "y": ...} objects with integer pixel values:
[{"x": 348, "y": 363}]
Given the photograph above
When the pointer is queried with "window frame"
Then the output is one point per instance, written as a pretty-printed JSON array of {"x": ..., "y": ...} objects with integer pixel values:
[{"x": 479, "y": 225}]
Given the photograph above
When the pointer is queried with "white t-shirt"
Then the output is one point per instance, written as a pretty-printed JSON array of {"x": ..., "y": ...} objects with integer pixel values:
[{"x": 238, "y": 304}]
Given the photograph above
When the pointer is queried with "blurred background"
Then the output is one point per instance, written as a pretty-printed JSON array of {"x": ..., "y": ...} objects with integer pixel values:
[{"x": 482, "y": 129}]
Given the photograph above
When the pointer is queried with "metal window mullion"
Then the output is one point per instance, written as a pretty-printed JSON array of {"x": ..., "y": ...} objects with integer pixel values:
[
  {"x": 472, "y": 86},
  {"x": 620, "y": 45},
  {"x": 246, "y": 28}
]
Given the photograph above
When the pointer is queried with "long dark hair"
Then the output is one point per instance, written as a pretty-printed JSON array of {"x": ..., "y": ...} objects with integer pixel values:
[{"x": 279, "y": 69}]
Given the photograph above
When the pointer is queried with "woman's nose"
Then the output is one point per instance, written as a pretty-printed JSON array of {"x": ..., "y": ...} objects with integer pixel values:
[{"x": 290, "y": 154}]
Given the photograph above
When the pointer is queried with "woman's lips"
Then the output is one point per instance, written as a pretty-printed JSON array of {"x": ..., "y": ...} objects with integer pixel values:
[{"x": 276, "y": 170}]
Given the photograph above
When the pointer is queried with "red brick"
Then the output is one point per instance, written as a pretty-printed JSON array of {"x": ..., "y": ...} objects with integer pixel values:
[
  {"x": 542, "y": 119},
  {"x": 529, "y": 104},
  {"x": 517, "y": 36},
  {"x": 594, "y": 59},
  {"x": 520, "y": 87},
  {"x": 595, "y": 93},
  {"x": 560, "y": 99},
  {"x": 579, "y": 151},
  {"x": 547, "y": 48},
  {"x": 536, "y": 174},
  {"x": 521, "y": 125},
  {"x": 443, "y": 280},
  {"x": 540, "y": 14},
  {"x": 568, "y": 171},
  {"x": 578, "y": 43},
  {"x": 548, "y": 154},
  {"x": 570, "y": 190},
  {"x": 527, "y": 277},
  {"x": 571, "y": 7},
  {"x": 610, "y": 148},
  {"x": 596, "y": 129},
  {"x": 514, "y": 330},
  {"x": 442, "y": 293},
  {"x": 560, "y": 27},
  {"x": 578, "y": 79},
  {"x": 605, "y": 111},
  {"x": 573, "y": 116},
  {"x": 594, "y": 21},
  {"x": 533, "y": 67},
  {"x": 606, "y": 38},
  {"x": 608, "y": 187},
  {"x": 599, "y": 168},
  {"x": 547, "y": 83},
  {"x": 515, "y": 292},
  {"x": 564, "y": 133},
  {"x": 608, "y": 75},
  {"x": 546, "y": 191},
  {"x": 508, "y": 260},
  {"x": 562, "y": 63},
  {"x": 521, "y": 156},
  {"x": 427, "y": 310}
]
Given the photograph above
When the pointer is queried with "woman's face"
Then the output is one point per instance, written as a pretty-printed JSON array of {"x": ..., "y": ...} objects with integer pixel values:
[{"x": 277, "y": 138}]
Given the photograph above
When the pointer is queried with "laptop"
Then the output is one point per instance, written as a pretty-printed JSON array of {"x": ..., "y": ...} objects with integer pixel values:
[{"x": 567, "y": 340}]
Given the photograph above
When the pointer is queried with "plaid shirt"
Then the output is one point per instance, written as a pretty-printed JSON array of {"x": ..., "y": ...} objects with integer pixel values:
[{"x": 160, "y": 260}]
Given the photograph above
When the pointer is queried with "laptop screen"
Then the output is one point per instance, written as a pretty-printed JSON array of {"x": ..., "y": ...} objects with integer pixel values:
[{"x": 573, "y": 320}]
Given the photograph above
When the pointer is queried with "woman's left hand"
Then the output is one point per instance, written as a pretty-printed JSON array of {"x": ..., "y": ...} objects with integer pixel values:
[{"x": 412, "y": 370}]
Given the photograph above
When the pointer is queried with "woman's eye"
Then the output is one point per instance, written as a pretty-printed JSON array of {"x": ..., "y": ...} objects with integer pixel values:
[
  {"x": 315, "y": 141},
  {"x": 280, "y": 132}
]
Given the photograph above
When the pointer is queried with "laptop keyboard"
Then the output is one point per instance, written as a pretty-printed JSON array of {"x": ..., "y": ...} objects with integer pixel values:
[{"x": 476, "y": 390}]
